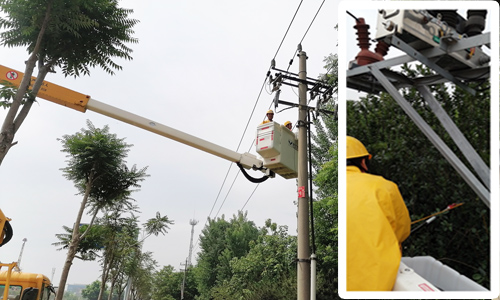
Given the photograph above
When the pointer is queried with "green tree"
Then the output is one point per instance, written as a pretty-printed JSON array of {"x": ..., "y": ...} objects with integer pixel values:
[
  {"x": 122, "y": 243},
  {"x": 96, "y": 166},
  {"x": 167, "y": 284},
  {"x": 140, "y": 269},
  {"x": 325, "y": 210},
  {"x": 72, "y": 296},
  {"x": 91, "y": 291},
  {"x": 267, "y": 271},
  {"x": 73, "y": 35},
  {"x": 325, "y": 174},
  {"x": 119, "y": 233},
  {"x": 90, "y": 244},
  {"x": 220, "y": 242},
  {"x": 428, "y": 183}
]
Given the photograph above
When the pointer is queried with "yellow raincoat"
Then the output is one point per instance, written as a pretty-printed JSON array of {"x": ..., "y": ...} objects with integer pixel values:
[{"x": 377, "y": 223}]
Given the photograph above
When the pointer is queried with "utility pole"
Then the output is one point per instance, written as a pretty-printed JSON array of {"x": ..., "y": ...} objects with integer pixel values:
[
  {"x": 183, "y": 284},
  {"x": 303, "y": 251},
  {"x": 305, "y": 284}
]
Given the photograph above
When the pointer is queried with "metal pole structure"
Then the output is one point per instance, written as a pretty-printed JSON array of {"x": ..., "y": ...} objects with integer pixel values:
[
  {"x": 303, "y": 251},
  {"x": 192, "y": 223},
  {"x": 21, "y": 254}
]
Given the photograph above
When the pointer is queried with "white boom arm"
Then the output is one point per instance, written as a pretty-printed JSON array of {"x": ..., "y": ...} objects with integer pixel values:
[
  {"x": 247, "y": 160},
  {"x": 81, "y": 102}
]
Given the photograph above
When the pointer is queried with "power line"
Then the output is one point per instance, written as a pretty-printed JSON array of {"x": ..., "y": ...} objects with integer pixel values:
[
  {"x": 250, "y": 196},
  {"x": 230, "y": 188},
  {"x": 305, "y": 34},
  {"x": 246, "y": 127},
  {"x": 303, "y": 37},
  {"x": 291, "y": 22}
]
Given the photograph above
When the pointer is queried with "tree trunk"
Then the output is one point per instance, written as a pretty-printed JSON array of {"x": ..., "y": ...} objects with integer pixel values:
[
  {"x": 103, "y": 282},
  {"x": 75, "y": 241},
  {"x": 104, "y": 277},
  {"x": 113, "y": 281},
  {"x": 9, "y": 126}
]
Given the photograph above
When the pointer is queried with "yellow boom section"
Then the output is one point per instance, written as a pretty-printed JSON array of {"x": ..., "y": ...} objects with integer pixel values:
[{"x": 48, "y": 91}]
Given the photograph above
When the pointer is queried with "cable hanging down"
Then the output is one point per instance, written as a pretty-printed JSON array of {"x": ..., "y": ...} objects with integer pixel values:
[{"x": 252, "y": 179}]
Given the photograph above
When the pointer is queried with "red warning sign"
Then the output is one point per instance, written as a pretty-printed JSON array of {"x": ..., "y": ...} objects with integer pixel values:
[{"x": 302, "y": 192}]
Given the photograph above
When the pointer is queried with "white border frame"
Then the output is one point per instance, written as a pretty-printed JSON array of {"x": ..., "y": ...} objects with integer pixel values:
[{"x": 493, "y": 18}]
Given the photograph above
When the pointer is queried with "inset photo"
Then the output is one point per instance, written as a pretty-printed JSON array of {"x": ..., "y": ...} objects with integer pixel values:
[{"x": 418, "y": 113}]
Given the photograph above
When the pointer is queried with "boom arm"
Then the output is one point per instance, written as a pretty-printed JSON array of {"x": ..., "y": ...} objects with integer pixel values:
[
  {"x": 247, "y": 160},
  {"x": 81, "y": 102}
]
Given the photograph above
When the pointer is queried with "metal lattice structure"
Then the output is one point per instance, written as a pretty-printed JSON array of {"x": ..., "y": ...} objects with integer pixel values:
[{"x": 446, "y": 43}]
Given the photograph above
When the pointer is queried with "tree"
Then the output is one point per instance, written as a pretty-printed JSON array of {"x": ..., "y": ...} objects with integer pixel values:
[
  {"x": 74, "y": 35},
  {"x": 325, "y": 206},
  {"x": 325, "y": 210},
  {"x": 122, "y": 244},
  {"x": 221, "y": 241},
  {"x": 91, "y": 291},
  {"x": 428, "y": 183},
  {"x": 72, "y": 296},
  {"x": 90, "y": 244},
  {"x": 96, "y": 166},
  {"x": 267, "y": 271},
  {"x": 167, "y": 282},
  {"x": 141, "y": 270}
]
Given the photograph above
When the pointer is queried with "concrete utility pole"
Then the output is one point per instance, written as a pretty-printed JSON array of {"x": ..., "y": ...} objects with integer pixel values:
[{"x": 303, "y": 251}]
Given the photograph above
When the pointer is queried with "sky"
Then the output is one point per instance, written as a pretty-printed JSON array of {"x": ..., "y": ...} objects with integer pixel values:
[{"x": 198, "y": 67}]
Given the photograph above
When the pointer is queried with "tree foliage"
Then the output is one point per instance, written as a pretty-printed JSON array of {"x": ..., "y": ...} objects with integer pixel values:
[
  {"x": 325, "y": 210},
  {"x": 90, "y": 245},
  {"x": 237, "y": 260},
  {"x": 91, "y": 291},
  {"x": 268, "y": 270},
  {"x": 325, "y": 207},
  {"x": 428, "y": 183},
  {"x": 97, "y": 167},
  {"x": 80, "y": 34},
  {"x": 74, "y": 35},
  {"x": 220, "y": 242}
]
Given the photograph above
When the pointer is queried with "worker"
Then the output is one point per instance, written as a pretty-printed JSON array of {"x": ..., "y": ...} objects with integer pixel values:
[
  {"x": 270, "y": 115},
  {"x": 288, "y": 125},
  {"x": 377, "y": 223}
]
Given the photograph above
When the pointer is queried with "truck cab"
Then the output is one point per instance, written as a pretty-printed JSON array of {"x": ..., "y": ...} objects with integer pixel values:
[{"x": 26, "y": 286}]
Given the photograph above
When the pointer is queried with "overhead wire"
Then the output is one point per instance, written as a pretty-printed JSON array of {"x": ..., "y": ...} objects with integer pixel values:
[
  {"x": 249, "y": 119},
  {"x": 251, "y": 115},
  {"x": 258, "y": 97},
  {"x": 290, "y": 25},
  {"x": 305, "y": 34},
  {"x": 291, "y": 61}
]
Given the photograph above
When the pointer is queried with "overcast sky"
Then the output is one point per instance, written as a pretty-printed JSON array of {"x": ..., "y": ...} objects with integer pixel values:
[{"x": 198, "y": 67}]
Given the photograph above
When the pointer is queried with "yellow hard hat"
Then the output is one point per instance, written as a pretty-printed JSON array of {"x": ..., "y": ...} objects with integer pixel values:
[
  {"x": 356, "y": 149},
  {"x": 287, "y": 122},
  {"x": 270, "y": 112}
]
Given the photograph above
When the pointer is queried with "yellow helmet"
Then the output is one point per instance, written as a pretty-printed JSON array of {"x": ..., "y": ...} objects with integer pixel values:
[
  {"x": 287, "y": 122},
  {"x": 270, "y": 112},
  {"x": 356, "y": 149}
]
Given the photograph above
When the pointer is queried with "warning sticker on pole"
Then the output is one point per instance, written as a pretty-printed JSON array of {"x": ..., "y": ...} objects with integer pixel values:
[{"x": 302, "y": 192}]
